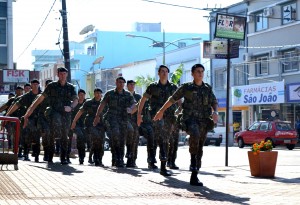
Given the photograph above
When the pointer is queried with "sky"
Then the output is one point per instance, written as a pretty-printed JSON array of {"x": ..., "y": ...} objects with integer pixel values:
[{"x": 37, "y": 23}]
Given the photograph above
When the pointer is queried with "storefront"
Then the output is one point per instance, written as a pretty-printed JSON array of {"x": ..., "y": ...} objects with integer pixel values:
[{"x": 266, "y": 101}]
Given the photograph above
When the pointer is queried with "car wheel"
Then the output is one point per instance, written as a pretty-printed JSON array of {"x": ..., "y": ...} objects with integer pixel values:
[
  {"x": 106, "y": 145},
  {"x": 241, "y": 143},
  {"x": 290, "y": 146},
  {"x": 218, "y": 144}
]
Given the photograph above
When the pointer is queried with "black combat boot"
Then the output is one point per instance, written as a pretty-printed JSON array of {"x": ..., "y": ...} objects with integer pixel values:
[
  {"x": 63, "y": 160},
  {"x": 20, "y": 155},
  {"x": 151, "y": 165},
  {"x": 50, "y": 159},
  {"x": 194, "y": 181},
  {"x": 46, "y": 154},
  {"x": 163, "y": 170},
  {"x": 193, "y": 166},
  {"x": 68, "y": 159},
  {"x": 173, "y": 166}
]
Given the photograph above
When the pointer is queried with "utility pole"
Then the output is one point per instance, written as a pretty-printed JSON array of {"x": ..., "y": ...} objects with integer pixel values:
[{"x": 66, "y": 49}]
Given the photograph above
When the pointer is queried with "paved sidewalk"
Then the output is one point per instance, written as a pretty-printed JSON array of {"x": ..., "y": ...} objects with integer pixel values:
[{"x": 39, "y": 183}]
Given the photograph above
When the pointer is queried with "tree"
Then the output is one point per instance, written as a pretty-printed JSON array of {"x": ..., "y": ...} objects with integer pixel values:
[
  {"x": 144, "y": 81},
  {"x": 176, "y": 75}
]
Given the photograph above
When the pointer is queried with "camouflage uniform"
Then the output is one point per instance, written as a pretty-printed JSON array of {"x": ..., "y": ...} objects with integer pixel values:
[
  {"x": 158, "y": 94},
  {"x": 43, "y": 127},
  {"x": 196, "y": 116},
  {"x": 146, "y": 130},
  {"x": 60, "y": 121},
  {"x": 117, "y": 120},
  {"x": 80, "y": 134},
  {"x": 173, "y": 146},
  {"x": 96, "y": 133},
  {"x": 30, "y": 133},
  {"x": 132, "y": 141}
]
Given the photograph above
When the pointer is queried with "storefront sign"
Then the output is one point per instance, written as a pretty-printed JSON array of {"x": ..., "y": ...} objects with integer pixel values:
[
  {"x": 293, "y": 92},
  {"x": 265, "y": 93},
  {"x": 15, "y": 76},
  {"x": 229, "y": 26}
]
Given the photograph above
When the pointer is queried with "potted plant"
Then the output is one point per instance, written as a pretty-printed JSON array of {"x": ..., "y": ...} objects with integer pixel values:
[{"x": 262, "y": 159}]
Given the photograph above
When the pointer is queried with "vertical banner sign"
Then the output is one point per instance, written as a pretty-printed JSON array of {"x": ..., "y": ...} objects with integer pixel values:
[{"x": 230, "y": 27}]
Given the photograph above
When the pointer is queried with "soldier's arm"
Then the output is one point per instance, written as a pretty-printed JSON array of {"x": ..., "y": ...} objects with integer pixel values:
[
  {"x": 140, "y": 109},
  {"x": 160, "y": 112},
  {"x": 77, "y": 116},
  {"x": 3, "y": 107},
  {"x": 33, "y": 106},
  {"x": 12, "y": 109}
]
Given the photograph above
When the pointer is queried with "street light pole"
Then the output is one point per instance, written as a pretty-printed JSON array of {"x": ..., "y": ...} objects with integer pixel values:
[
  {"x": 66, "y": 39},
  {"x": 162, "y": 44}
]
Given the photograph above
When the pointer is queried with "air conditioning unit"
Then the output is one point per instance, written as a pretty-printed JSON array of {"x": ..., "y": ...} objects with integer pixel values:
[
  {"x": 273, "y": 54},
  {"x": 268, "y": 12}
]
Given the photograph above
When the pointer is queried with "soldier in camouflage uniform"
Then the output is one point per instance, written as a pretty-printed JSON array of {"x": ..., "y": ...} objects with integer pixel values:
[
  {"x": 133, "y": 142},
  {"x": 30, "y": 133},
  {"x": 89, "y": 109},
  {"x": 120, "y": 103},
  {"x": 62, "y": 99},
  {"x": 197, "y": 117},
  {"x": 158, "y": 93},
  {"x": 43, "y": 125},
  {"x": 79, "y": 129}
]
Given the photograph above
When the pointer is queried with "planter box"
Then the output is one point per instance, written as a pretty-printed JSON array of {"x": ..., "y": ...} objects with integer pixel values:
[{"x": 263, "y": 164}]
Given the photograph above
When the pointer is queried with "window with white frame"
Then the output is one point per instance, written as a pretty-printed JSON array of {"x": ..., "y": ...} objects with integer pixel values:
[
  {"x": 290, "y": 61},
  {"x": 239, "y": 75},
  {"x": 2, "y": 31},
  {"x": 262, "y": 65},
  {"x": 219, "y": 78},
  {"x": 261, "y": 21},
  {"x": 288, "y": 12}
]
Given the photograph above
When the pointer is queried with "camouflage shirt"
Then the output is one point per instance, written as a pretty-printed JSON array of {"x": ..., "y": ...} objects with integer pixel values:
[
  {"x": 118, "y": 103},
  {"x": 60, "y": 96},
  {"x": 158, "y": 94},
  {"x": 80, "y": 121},
  {"x": 26, "y": 100},
  {"x": 137, "y": 98},
  {"x": 198, "y": 100},
  {"x": 89, "y": 107}
]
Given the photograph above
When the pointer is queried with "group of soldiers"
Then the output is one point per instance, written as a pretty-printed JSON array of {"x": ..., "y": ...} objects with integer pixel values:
[{"x": 123, "y": 115}]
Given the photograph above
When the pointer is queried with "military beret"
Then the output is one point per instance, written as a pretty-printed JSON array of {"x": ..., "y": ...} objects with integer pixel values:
[
  {"x": 62, "y": 69},
  {"x": 35, "y": 81}
]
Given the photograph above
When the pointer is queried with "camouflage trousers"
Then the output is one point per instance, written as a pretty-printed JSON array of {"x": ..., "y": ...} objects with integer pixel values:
[
  {"x": 30, "y": 136},
  {"x": 197, "y": 129},
  {"x": 97, "y": 136},
  {"x": 80, "y": 141},
  {"x": 118, "y": 130},
  {"x": 132, "y": 141},
  {"x": 162, "y": 130},
  {"x": 59, "y": 128},
  {"x": 173, "y": 145},
  {"x": 146, "y": 130}
]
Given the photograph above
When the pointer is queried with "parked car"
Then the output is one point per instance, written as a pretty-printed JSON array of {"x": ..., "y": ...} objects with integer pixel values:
[
  {"x": 212, "y": 138},
  {"x": 278, "y": 132}
]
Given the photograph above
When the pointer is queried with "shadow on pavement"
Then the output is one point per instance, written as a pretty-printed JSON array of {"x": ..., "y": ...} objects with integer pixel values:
[
  {"x": 57, "y": 167},
  {"x": 203, "y": 192},
  {"x": 136, "y": 172}
]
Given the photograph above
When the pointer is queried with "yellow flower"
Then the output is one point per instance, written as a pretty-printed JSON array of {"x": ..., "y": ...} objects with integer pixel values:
[{"x": 262, "y": 146}]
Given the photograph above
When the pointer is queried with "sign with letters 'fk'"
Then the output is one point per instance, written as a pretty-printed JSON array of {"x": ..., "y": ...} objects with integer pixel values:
[{"x": 15, "y": 76}]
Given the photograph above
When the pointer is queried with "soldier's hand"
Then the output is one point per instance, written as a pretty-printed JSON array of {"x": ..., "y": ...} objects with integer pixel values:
[
  {"x": 158, "y": 116},
  {"x": 96, "y": 120},
  {"x": 139, "y": 119},
  {"x": 68, "y": 108}
]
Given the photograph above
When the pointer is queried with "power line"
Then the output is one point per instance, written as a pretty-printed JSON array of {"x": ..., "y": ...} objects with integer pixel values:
[{"x": 37, "y": 31}]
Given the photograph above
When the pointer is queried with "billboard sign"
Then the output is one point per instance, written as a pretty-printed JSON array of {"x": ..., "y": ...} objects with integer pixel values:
[
  {"x": 15, "y": 76},
  {"x": 230, "y": 27},
  {"x": 256, "y": 94},
  {"x": 218, "y": 49},
  {"x": 293, "y": 92}
]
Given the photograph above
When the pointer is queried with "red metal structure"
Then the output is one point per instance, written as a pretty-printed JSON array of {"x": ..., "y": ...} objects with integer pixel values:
[{"x": 8, "y": 156}]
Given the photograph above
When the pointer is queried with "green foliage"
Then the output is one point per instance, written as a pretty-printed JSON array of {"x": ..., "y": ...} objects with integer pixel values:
[
  {"x": 175, "y": 78},
  {"x": 144, "y": 81}
]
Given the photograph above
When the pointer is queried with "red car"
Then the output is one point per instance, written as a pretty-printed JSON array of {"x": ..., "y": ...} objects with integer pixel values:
[{"x": 278, "y": 132}]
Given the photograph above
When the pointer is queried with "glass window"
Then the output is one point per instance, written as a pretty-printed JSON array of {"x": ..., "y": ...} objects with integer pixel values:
[
  {"x": 262, "y": 65},
  {"x": 3, "y": 9},
  {"x": 2, "y": 31},
  {"x": 261, "y": 21},
  {"x": 254, "y": 126},
  {"x": 290, "y": 61},
  {"x": 3, "y": 56},
  {"x": 264, "y": 126},
  {"x": 219, "y": 80},
  {"x": 288, "y": 12},
  {"x": 239, "y": 75}
]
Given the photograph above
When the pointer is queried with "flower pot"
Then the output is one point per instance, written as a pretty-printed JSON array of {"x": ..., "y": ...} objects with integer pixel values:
[{"x": 263, "y": 164}]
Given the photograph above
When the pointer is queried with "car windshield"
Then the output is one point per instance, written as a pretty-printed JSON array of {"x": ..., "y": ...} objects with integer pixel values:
[{"x": 283, "y": 126}]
